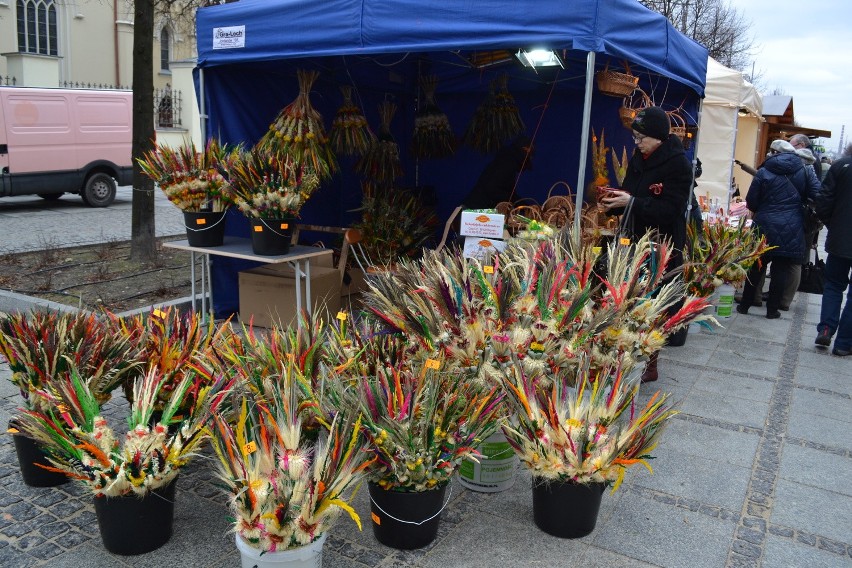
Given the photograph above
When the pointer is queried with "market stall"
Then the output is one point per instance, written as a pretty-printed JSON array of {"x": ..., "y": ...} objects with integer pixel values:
[
  {"x": 729, "y": 129},
  {"x": 249, "y": 52}
]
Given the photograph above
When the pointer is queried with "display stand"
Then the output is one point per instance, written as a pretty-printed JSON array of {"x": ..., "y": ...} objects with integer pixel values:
[{"x": 298, "y": 258}]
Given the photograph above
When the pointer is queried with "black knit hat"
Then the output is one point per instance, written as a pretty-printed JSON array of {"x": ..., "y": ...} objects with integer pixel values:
[{"x": 652, "y": 122}]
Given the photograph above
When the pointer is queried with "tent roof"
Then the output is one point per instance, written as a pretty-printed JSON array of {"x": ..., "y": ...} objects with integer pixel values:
[
  {"x": 728, "y": 87},
  {"x": 281, "y": 29}
]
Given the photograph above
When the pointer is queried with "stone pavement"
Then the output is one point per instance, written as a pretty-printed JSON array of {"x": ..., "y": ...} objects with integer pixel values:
[
  {"x": 31, "y": 223},
  {"x": 755, "y": 471}
]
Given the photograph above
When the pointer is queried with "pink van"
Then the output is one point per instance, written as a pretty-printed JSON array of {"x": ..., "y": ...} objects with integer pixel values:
[{"x": 55, "y": 141}]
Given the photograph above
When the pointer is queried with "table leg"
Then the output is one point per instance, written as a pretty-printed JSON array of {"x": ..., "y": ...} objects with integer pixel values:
[
  {"x": 297, "y": 270},
  {"x": 192, "y": 277},
  {"x": 308, "y": 285}
]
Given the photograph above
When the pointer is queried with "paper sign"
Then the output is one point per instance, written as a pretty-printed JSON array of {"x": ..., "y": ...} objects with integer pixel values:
[
  {"x": 488, "y": 269},
  {"x": 477, "y": 247},
  {"x": 536, "y": 346},
  {"x": 250, "y": 448},
  {"x": 432, "y": 364},
  {"x": 159, "y": 313},
  {"x": 479, "y": 224},
  {"x": 341, "y": 316},
  {"x": 624, "y": 241},
  {"x": 285, "y": 226},
  {"x": 231, "y": 37},
  {"x": 201, "y": 221},
  {"x": 376, "y": 518},
  {"x": 258, "y": 228}
]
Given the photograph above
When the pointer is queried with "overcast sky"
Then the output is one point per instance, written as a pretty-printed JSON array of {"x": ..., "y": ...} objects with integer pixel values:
[{"x": 805, "y": 48}]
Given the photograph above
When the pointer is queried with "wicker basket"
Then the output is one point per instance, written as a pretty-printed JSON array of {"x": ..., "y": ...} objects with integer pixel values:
[
  {"x": 631, "y": 106},
  {"x": 615, "y": 83},
  {"x": 678, "y": 124}
]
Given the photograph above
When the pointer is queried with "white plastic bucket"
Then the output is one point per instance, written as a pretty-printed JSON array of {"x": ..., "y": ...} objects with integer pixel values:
[
  {"x": 496, "y": 468},
  {"x": 308, "y": 556},
  {"x": 725, "y": 302}
]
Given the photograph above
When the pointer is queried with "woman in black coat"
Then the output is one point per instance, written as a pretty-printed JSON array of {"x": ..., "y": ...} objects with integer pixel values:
[
  {"x": 775, "y": 198},
  {"x": 655, "y": 191}
]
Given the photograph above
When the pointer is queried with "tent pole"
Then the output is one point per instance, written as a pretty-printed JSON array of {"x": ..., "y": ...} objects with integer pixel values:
[
  {"x": 202, "y": 107},
  {"x": 584, "y": 142}
]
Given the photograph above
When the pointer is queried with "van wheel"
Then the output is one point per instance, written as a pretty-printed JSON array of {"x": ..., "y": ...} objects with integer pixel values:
[
  {"x": 50, "y": 196},
  {"x": 99, "y": 190}
]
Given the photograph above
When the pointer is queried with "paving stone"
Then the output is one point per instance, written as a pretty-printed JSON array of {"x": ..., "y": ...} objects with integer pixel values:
[
  {"x": 12, "y": 557},
  {"x": 28, "y": 541},
  {"x": 49, "y": 498},
  {"x": 781, "y": 531},
  {"x": 803, "y": 508},
  {"x": 808, "y": 466},
  {"x": 750, "y": 535},
  {"x": 746, "y": 549},
  {"x": 739, "y": 561},
  {"x": 46, "y": 551},
  {"x": 72, "y": 539},
  {"x": 54, "y": 529},
  {"x": 831, "y": 546},
  {"x": 785, "y": 552}
]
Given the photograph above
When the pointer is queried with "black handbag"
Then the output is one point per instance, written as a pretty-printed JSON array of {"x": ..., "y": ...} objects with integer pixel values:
[{"x": 813, "y": 275}]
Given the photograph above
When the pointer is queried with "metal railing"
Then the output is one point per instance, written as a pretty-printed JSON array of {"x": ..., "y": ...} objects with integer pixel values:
[
  {"x": 168, "y": 105},
  {"x": 7, "y": 81},
  {"x": 80, "y": 85}
]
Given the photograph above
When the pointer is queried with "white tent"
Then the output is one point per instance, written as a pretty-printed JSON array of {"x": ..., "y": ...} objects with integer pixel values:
[{"x": 729, "y": 129}]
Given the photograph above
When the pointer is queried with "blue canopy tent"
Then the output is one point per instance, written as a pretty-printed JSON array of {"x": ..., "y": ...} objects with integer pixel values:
[{"x": 248, "y": 53}]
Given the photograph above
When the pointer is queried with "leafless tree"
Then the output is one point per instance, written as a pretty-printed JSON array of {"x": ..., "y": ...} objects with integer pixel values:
[
  {"x": 182, "y": 14},
  {"x": 715, "y": 24}
]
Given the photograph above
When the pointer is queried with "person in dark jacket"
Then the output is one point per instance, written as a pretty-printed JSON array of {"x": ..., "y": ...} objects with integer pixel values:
[
  {"x": 775, "y": 199},
  {"x": 497, "y": 181},
  {"x": 834, "y": 207},
  {"x": 655, "y": 191}
]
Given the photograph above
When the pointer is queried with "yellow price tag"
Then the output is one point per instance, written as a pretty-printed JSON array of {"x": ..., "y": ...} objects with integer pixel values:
[
  {"x": 536, "y": 346},
  {"x": 432, "y": 364},
  {"x": 341, "y": 316},
  {"x": 250, "y": 448},
  {"x": 488, "y": 269},
  {"x": 596, "y": 250},
  {"x": 159, "y": 313},
  {"x": 624, "y": 241}
]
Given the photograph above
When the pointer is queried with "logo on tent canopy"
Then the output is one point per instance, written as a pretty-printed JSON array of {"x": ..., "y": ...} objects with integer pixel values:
[{"x": 232, "y": 37}]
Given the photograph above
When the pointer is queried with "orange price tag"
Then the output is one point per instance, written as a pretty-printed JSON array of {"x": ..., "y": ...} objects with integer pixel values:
[
  {"x": 250, "y": 448},
  {"x": 624, "y": 241},
  {"x": 12, "y": 430},
  {"x": 376, "y": 518},
  {"x": 285, "y": 226},
  {"x": 258, "y": 228},
  {"x": 341, "y": 316},
  {"x": 488, "y": 269},
  {"x": 432, "y": 364},
  {"x": 201, "y": 221}
]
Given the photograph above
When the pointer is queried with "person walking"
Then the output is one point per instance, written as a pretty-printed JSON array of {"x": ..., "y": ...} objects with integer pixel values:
[
  {"x": 775, "y": 199},
  {"x": 655, "y": 192},
  {"x": 834, "y": 207},
  {"x": 801, "y": 141}
]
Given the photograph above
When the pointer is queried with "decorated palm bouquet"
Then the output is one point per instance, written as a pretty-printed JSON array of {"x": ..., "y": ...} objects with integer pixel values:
[
  {"x": 287, "y": 488},
  {"x": 422, "y": 418},
  {"x": 381, "y": 163},
  {"x": 191, "y": 179},
  {"x": 43, "y": 345},
  {"x": 720, "y": 253},
  {"x": 79, "y": 442},
  {"x": 350, "y": 133},
  {"x": 268, "y": 185},
  {"x": 298, "y": 135},
  {"x": 496, "y": 121},
  {"x": 581, "y": 426},
  {"x": 433, "y": 136}
]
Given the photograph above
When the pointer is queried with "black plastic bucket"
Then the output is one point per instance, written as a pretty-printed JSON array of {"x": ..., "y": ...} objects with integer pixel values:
[
  {"x": 678, "y": 338},
  {"x": 566, "y": 509},
  {"x": 133, "y": 525},
  {"x": 30, "y": 454},
  {"x": 204, "y": 228},
  {"x": 406, "y": 520},
  {"x": 271, "y": 237}
]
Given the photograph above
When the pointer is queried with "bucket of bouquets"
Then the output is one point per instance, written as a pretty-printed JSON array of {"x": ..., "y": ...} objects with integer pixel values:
[
  {"x": 416, "y": 451},
  {"x": 271, "y": 237},
  {"x": 576, "y": 438},
  {"x": 204, "y": 228},
  {"x": 133, "y": 484},
  {"x": 290, "y": 468}
]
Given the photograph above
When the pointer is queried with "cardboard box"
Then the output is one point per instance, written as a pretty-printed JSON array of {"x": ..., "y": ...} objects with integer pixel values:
[
  {"x": 477, "y": 247},
  {"x": 268, "y": 293},
  {"x": 479, "y": 224}
]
